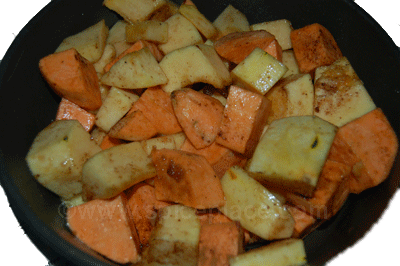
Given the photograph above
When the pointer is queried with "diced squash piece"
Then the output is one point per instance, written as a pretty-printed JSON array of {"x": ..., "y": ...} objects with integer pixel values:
[
  {"x": 258, "y": 72},
  {"x": 314, "y": 46},
  {"x": 57, "y": 155},
  {"x": 219, "y": 242},
  {"x": 236, "y": 46},
  {"x": 156, "y": 106},
  {"x": 109, "y": 142},
  {"x": 172, "y": 142},
  {"x": 113, "y": 170},
  {"x": 186, "y": 178},
  {"x": 289, "y": 60},
  {"x": 135, "y": 70},
  {"x": 107, "y": 57},
  {"x": 149, "y": 30},
  {"x": 72, "y": 77},
  {"x": 231, "y": 20},
  {"x": 200, "y": 116},
  {"x": 304, "y": 223},
  {"x": 202, "y": 64},
  {"x": 89, "y": 43},
  {"x": 165, "y": 11},
  {"x": 181, "y": 33},
  {"x": 245, "y": 116},
  {"x": 100, "y": 222},
  {"x": 67, "y": 110},
  {"x": 340, "y": 96},
  {"x": 292, "y": 96},
  {"x": 175, "y": 238},
  {"x": 133, "y": 127},
  {"x": 257, "y": 209},
  {"x": 136, "y": 47},
  {"x": 143, "y": 206},
  {"x": 373, "y": 141},
  {"x": 117, "y": 103},
  {"x": 330, "y": 193},
  {"x": 292, "y": 153},
  {"x": 134, "y": 10},
  {"x": 117, "y": 32},
  {"x": 281, "y": 29},
  {"x": 203, "y": 25},
  {"x": 288, "y": 252}
]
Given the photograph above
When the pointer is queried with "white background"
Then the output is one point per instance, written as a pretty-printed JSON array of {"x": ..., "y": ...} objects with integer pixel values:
[{"x": 378, "y": 247}]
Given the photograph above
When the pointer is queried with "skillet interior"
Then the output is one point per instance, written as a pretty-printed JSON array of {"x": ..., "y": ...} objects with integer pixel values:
[{"x": 28, "y": 105}]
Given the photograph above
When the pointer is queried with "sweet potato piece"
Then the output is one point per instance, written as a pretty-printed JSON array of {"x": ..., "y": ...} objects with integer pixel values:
[
  {"x": 133, "y": 127},
  {"x": 314, "y": 46},
  {"x": 98, "y": 223},
  {"x": 236, "y": 46},
  {"x": 200, "y": 116},
  {"x": 372, "y": 139},
  {"x": 330, "y": 193},
  {"x": 245, "y": 116},
  {"x": 67, "y": 110},
  {"x": 143, "y": 206},
  {"x": 219, "y": 242},
  {"x": 275, "y": 50},
  {"x": 212, "y": 216},
  {"x": 109, "y": 142},
  {"x": 72, "y": 77},
  {"x": 136, "y": 47},
  {"x": 304, "y": 223},
  {"x": 157, "y": 107},
  {"x": 186, "y": 178},
  {"x": 229, "y": 159}
]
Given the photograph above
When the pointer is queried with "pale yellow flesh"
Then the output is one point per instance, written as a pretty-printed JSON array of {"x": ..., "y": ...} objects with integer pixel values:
[{"x": 281, "y": 29}]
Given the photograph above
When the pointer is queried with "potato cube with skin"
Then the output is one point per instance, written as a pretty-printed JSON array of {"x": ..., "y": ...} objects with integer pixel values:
[
  {"x": 258, "y": 72},
  {"x": 186, "y": 178},
  {"x": 175, "y": 238},
  {"x": 136, "y": 70},
  {"x": 231, "y": 20},
  {"x": 193, "y": 64},
  {"x": 200, "y": 116},
  {"x": 165, "y": 11},
  {"x": 149, "y": 30},
  {"x": 251, "y": 204},
  {"x": 292, "y": 96},
  {"x": 117, "y": 32},
  {"x": 134, "y": 10},
  {"x": 219, "y": 242},
  {"x": 113, "y": 170},
  {"x": 99, "y": 222},
  {"x": 340, "y": 96},
  {"x": 281, "y": 29},
  {"x": 314, "y": 46},
  {"x": 115, "y": 106},
  {"x": 288, "y": 252},
  {"x": 57, "y": 156},
  {"x": 181, "y": 33},
  {"x": 202, "y": 24},
  {"x": 89, "y": 43},
  {"x": 292, "y": 152},
  {"x": 245, "y": 116}
]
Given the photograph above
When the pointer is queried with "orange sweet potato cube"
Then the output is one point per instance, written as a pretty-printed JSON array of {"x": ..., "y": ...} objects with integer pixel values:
[
  {"x": 143, "y": 206},
  {"x": 373, "y": 146},
  {"x": 314, "y": 46},
  {"x": 72, "y": 77},
  {"x": 304, "y": 223},
  {"x": 245, "y": 116},
  {"x": 106, "y": 227},
  {"x": 109, "y": 142},
  {"x": 186, "y": 178},
  {"x": 67, "y": 110},
  {"x": 157, "y": 107},
  {"x": 219, "y": 242},
  {"x": 199, "y": 115}
]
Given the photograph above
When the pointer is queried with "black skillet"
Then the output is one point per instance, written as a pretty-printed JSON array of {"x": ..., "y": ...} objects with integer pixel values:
[{"x": 27, "y": 105}]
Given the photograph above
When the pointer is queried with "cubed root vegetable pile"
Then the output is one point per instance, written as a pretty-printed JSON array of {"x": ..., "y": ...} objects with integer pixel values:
[{"x": 179, "y": 141}]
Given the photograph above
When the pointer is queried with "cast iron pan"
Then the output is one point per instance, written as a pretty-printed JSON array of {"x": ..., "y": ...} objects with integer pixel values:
[{"x": 27, "y": 105}]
